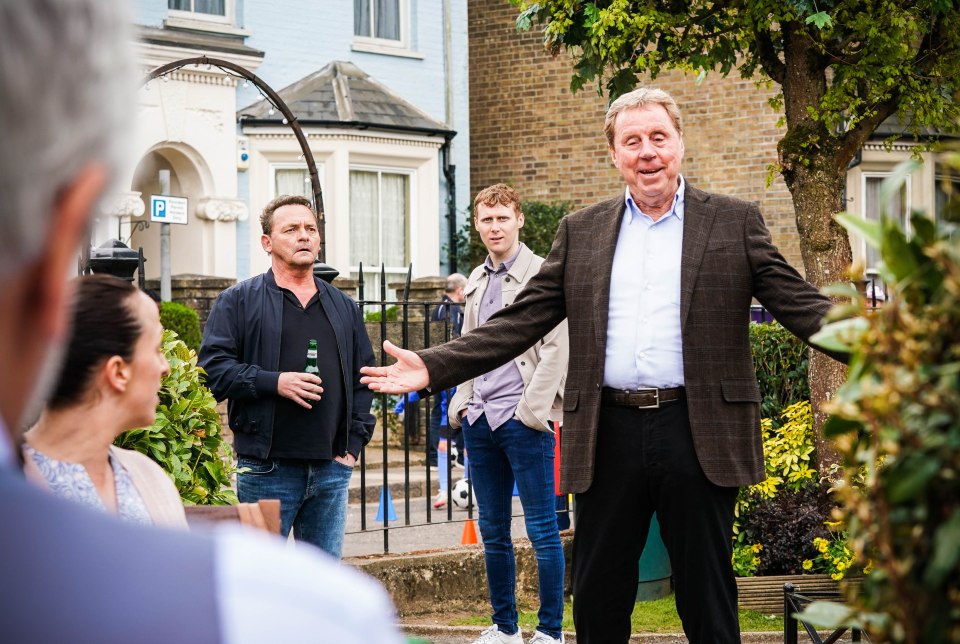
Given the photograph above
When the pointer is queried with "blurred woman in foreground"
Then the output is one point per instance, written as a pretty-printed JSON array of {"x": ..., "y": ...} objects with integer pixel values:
[{"x": 109, "y": 383}]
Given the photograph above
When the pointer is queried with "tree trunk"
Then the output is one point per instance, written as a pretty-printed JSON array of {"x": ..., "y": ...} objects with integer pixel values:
[
  {"x": 817, "y": 191},
  {"x": 814, "y": 165}
]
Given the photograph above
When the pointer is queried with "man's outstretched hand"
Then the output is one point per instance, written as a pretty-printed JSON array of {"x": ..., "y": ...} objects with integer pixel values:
[{"x": 407, "y": 374}]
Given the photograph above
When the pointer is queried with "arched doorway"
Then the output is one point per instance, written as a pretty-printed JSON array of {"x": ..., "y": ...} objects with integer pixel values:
[{"x": 190, "y": 178}]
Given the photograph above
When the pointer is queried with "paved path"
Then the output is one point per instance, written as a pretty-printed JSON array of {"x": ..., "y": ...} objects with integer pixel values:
[
  {"x": 412, "y": 532},
  {"x": 418, "y": 526}
]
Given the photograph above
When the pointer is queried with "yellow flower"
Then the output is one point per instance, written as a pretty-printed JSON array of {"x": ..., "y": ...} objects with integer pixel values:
[
  {"x": 837, "y": 576},
  {"x": 822, "y": 546},
  {"x": 807, "y": 564},
  {"x": 841, "y": 566},
  {"x": 868, "y": 568},
  {"x": 757, "y": 547}
]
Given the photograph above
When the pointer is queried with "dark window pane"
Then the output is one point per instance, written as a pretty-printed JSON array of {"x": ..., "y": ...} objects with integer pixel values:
[{"x": 947, "y": 204}]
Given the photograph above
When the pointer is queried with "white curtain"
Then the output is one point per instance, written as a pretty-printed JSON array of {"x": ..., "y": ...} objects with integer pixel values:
[
  {"x": 361, "y": 17},
  {"x": 212, "y": 7},
  {"x": 292, "y": 181},
  {"x": 385, "y": 18},
  {"x": 388, "y": 19},
  {"x": 364, "y": 216},
  {"x": 393, "y": 209},
  {"x": 379, "y": 216}
]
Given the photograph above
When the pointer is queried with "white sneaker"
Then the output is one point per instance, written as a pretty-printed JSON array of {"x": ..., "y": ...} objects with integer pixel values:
[
  {"x": 539, "y": 637},
  {"x": 440, "y": 501},
  {"x": 494, "y": 635}
]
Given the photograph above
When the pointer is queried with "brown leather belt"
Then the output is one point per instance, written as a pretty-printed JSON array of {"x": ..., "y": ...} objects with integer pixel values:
[{"x": 647, "y": 398}]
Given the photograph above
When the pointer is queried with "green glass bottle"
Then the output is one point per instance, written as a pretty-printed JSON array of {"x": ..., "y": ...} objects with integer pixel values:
[{"x": 312, "y": 358}]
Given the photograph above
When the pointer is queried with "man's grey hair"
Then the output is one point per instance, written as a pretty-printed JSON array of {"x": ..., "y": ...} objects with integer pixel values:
[
  {"x": 66, "y": 100},
  {"x": 641, "y": 97},
  {"x": 454, "y": 281}
]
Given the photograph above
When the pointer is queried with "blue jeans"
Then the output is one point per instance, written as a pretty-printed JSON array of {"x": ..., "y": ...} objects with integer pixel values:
[
  {"x": 497, "y": 458},
  {"x": 313, "y": 496}
]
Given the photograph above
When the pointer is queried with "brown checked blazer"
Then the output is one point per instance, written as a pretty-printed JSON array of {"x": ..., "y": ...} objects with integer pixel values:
[{"x": 728, "y": 259}]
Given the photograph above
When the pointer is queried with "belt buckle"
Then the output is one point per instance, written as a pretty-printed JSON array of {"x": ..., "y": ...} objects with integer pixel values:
[{"x": 656, "y": 395}]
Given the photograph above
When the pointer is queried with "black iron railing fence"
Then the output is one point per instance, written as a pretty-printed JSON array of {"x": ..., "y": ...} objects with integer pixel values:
[
  {"x": 795, "y": 601},
  {"x": 410, "y": 324}
]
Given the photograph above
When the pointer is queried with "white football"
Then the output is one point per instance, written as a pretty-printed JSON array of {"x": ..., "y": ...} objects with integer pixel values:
[{"x": 462, "y": 497}]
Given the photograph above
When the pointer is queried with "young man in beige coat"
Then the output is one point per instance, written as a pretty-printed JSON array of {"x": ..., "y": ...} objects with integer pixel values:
[{"x": 505, "y": 415}]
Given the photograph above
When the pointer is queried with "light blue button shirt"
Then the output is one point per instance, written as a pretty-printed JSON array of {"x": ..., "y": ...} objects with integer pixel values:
[{"x": 644, "y": 348}]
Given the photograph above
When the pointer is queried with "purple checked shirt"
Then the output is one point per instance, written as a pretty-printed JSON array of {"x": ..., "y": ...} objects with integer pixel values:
[{"x": 497, "y": 392}]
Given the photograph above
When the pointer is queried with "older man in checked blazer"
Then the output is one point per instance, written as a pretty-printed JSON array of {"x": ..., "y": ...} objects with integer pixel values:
[{"x": 661, "y": 404}]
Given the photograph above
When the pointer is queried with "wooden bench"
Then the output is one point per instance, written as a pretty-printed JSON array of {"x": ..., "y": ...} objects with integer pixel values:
[{"x": 264, "y": 514}]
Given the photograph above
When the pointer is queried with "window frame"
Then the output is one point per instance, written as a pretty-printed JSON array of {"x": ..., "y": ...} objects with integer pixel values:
[
  {"x": 409, "y": 250},
  {"x": 227, "y": 19},
  {"x": 373, "y": 44},
  {"x": 293, "y": 165},
  {"x": 907, "y": 187},
  {"x": 940, "y": 175}
]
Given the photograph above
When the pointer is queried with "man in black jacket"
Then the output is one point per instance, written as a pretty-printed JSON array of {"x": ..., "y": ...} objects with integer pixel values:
[{"x": 297, "y": 434}]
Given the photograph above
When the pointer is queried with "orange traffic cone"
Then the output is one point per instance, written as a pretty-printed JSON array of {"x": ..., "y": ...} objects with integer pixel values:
[{"x": 469, "y": 533}]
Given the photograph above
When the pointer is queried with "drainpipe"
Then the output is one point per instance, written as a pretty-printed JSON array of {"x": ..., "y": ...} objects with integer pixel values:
[
  {"x": 449, "y": 169},
  {"x": 448, "y": 62},
  {"x": 450, "y": 174}
]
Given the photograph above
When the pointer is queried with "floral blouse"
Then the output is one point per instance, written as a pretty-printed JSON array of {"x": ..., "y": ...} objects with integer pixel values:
[{"x": 71, "y": 481}]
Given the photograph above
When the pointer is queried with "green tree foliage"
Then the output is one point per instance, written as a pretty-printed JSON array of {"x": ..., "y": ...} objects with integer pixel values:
[
  {"x": 541, "y": 221},
  {"x": 183, "y": 321},
  {"x": 865, "y": 59},
  {"x": 897, "y": 424},
  {"x": 186, "y": 438}
]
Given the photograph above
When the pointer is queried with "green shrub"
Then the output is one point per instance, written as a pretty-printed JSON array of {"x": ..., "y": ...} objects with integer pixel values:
[
  {"x": 782, "y": 515},
  {"x": 786, "y": 527},
  {"x": 896, "y": 424},
  {"x": 540, "y": 223},
  {"x": 834, "y": 555},
  {"x": 746, "y": 558},
  {"x": 781, "y": 361},
  {"x": 183, "y": 321},
  {"x": 375, "y": 316},
  {"x": 186, "y": 438}
]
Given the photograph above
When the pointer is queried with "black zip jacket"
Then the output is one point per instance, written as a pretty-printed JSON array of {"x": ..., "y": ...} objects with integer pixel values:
[{"x": 241, "y": 355}]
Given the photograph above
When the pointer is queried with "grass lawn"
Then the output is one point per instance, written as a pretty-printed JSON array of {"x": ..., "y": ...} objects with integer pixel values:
[{"x": 658, "y": 616}]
